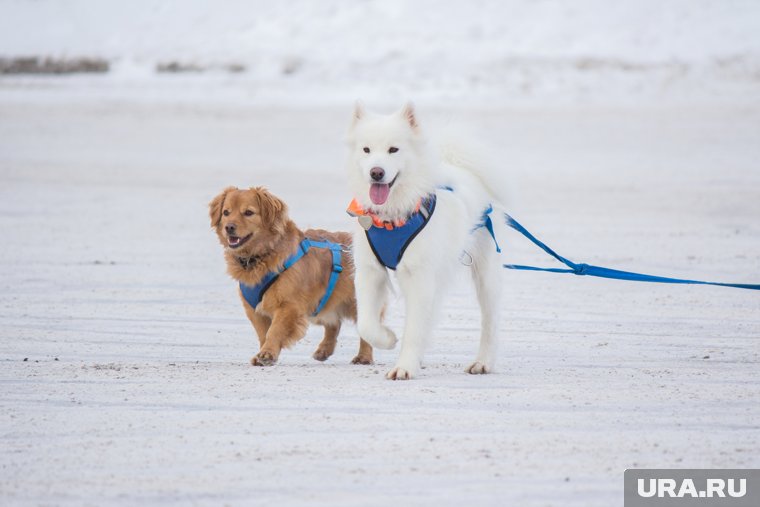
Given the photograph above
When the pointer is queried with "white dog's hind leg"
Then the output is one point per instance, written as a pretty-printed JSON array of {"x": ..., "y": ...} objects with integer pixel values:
[
  {"x": 420, "y": 294},
  {"x": 371, "y": 297},
  {"x": 486, "y": 273}
]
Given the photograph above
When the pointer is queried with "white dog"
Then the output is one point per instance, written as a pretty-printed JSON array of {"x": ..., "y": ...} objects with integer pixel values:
[{"x": 419, "y": 215}]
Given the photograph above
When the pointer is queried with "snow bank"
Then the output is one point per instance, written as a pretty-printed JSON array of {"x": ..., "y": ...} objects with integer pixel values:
[{"x": 479, "y": 51}]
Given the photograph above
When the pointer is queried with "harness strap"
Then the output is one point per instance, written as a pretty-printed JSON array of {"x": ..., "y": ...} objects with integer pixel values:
[
  {"x": 303, "y": 249},
  {"x": 337, "y": 269},
  {"x": 486, "y": 222},
  {"x": 601, "y": 272}
]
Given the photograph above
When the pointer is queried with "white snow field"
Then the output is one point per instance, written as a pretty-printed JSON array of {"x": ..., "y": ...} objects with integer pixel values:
[
  {"x": 125, "y": 374},
  {"x": 630, "y": 132}
]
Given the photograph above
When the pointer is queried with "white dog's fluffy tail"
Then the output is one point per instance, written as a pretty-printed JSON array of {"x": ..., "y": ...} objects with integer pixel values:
[{"x": 463, "y": 150}]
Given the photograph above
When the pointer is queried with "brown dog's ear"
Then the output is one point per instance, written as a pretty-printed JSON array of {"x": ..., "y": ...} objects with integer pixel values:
[
  {"x": 273, "y": 211},
  {"x": 215, "y": 206}
]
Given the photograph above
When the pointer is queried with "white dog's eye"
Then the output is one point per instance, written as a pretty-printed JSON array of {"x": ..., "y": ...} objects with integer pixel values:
[
  {"x": 392, "y": 149},
  {"x": 226, "y": 212},
  {"x": 248, "y": 213},
  {"x": 366, "y": 150}
]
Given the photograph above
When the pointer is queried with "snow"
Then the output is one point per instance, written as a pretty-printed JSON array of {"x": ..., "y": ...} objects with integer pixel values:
[
  {"x": 137, "y": 386},
  {"x": 629, "y": 133}
]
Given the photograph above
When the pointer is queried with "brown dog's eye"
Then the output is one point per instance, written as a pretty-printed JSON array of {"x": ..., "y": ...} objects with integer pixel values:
[
  {"x": 248, "y": 213},
  {"x": 226, "y": 212},
  {"x": 366, "y": 150},
  {"x": 392, "y": 149}
]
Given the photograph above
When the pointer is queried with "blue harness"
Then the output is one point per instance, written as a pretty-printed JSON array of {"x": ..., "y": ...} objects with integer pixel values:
[
  {"x": 253, "y": 294},
  {"x": 389, "y": 245}
]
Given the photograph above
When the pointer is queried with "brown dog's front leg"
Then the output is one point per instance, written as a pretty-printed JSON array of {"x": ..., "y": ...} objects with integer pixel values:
[
  {"x": 261, "y": 323},
  {"x": 288, "y": 326}
]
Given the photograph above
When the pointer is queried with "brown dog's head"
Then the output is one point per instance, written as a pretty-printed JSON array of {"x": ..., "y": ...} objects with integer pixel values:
[{"x": 248, "y": 221}]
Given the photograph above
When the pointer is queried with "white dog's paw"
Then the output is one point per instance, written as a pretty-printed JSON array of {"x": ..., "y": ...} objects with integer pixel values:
[
  {"x": 478, "y": 368},
  {"x": 399, "y": 373},
  {"x": 380, "y": 338}
]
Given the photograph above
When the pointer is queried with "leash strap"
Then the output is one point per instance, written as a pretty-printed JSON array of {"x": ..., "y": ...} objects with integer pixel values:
[{"x": 598, "y": 271}]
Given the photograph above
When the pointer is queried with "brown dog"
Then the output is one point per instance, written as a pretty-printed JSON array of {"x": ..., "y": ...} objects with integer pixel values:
[{"x": 258, "y": 237}]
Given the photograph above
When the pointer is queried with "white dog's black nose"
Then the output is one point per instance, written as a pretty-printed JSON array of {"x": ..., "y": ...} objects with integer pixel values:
[
  {"x": 377, "y": 173},
  {"x": 230, "y": 228}
]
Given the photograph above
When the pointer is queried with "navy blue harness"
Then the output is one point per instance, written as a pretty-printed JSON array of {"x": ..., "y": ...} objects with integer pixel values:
[
  {"x": 389, "y": 245},
  {"x": 253, "y": 294}
]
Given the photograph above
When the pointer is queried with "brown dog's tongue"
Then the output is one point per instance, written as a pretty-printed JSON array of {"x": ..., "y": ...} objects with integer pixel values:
[{"x": 378, "y": 192}]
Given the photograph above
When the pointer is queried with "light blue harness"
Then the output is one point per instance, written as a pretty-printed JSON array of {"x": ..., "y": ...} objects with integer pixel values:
[{"x": 253, "y": 294}]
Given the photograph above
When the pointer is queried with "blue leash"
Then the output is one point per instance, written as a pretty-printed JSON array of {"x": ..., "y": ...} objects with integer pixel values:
[{"x": 590, "y": 270}]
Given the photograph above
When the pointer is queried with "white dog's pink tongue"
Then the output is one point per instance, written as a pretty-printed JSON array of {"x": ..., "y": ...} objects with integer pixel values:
[{"x": 378, "y": 192}]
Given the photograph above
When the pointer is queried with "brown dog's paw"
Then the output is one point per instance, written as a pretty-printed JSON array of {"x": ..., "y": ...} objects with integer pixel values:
[
  {"x": 360, "y": 359},
  {"x": 263, "y": 358},
  {"x": 321, "y": 354}
]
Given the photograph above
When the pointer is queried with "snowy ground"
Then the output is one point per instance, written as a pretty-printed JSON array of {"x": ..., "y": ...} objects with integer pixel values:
[{"x": 125, "y": 374}]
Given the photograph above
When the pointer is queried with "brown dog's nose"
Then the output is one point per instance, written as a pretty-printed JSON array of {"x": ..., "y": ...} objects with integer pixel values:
[
  {"x": 377, "y": 173},
  {"x": 230, "y": 228}
]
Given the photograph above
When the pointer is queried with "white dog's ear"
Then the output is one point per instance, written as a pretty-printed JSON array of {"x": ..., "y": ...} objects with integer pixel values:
[
  {"x": 359, "y": 112},
  {"x": 407, "y": 113}
]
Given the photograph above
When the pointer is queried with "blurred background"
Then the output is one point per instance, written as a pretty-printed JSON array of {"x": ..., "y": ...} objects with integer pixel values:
[{"x": 304, "y": 52}]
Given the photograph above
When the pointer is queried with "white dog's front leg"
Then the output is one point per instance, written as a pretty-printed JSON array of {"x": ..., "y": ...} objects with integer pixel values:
[
  {"x": 420, "y": 294},
  {"x": 371, "y": 296}
]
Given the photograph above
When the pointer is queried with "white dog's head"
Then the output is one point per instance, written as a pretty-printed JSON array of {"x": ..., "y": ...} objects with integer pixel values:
[{"x": 388, "y": 164}]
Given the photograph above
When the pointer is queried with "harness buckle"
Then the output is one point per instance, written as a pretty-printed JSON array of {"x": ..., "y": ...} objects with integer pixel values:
[{"x": 337, "y": 268}]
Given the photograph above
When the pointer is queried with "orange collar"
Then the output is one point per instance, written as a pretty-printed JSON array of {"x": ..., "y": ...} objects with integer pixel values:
[{"x": 355, "y": 210}]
